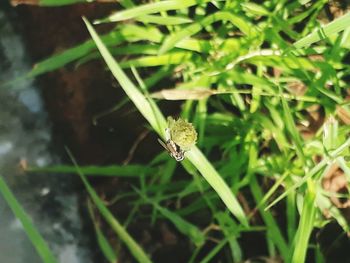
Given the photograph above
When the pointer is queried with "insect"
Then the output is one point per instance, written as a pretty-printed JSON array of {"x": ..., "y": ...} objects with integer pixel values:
[{"x": 172, "y": 148}]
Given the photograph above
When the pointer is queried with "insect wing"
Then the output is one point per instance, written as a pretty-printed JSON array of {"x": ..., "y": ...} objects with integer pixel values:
[{"x": 164, "y": 145}]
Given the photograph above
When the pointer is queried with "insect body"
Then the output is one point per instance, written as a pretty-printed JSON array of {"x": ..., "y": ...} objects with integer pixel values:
[{"x": 174, "y": 150}]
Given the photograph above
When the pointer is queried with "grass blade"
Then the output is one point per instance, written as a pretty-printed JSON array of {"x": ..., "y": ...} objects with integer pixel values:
[
  {"x": 152, "y": 61},
  {"x": 290, "y": 125},
  {"x": 113, "y": 170},
  {"x": 49, "y": 2},
  {"x": 102, "y": 241},
  {"x": 194, "y": 28},
  {"x": 181, "y": 224},
  {"x": 69, "y": 55},
  {"x": 153, "y": 115},
  {"x": 32, "y": 233},
  {"x": 334, "y": 27},
  {"x": 306, "y": 225},
  {"x": 214, "y": 251},
  {"x": 274, "y": 232},
  {"x": 133, "y": 247},
  {"x": 231, "y": 232},
  {"x": 150, "y": 8},
  {"x": 130, "y": 33},
  {"x": 167, "y": 21},
  {"x": 215, "y": 180}
]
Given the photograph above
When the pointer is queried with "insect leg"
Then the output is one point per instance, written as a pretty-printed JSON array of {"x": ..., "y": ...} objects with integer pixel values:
[{"x": 163, "y": 144}]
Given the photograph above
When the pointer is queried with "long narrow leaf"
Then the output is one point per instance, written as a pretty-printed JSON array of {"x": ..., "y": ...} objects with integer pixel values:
[
  {"x": 49, "y": 2},
  {"x": 150, "y": 8},
  {"x": 194, "y": 28},
  {"x": 133, "y": 247},
  {"x": 153, "y": 115},
  {"x": 181, "y": 224},
  {"x": 272, "y": 226},
  {"x": 169, "y": 20},
  {"x": 102, "y": 241},
  {"x": 114, "y": 170},
  {"x": 334, "y": 27},
  {"x": 32, "y": 233},
  {"x": 305, "y": 226}
]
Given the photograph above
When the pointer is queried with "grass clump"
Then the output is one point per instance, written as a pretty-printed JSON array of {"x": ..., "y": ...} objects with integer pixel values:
[{"x": 267, "y": 85}]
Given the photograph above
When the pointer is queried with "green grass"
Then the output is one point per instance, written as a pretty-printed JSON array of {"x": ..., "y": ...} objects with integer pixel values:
[
  {"x": 31, "y": 230},
  {"x": 254, "y": 73}
]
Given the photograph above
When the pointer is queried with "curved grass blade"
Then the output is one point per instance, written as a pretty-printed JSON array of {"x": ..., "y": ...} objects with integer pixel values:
[
  {"x": 231, "y": 232},
  {"x": 102, "y": 241},
  {"x": 290, "y": 125},
  {"x": 32, "y": 233},
  {"x": 153, "y": 115},
  {"x": 272, "y": 226},
  {"x": 214, "y": 251},
  {"x": 129, "y": 33},
  {"x": 181, "y": 224},
  {"x": 133, "y": 247},
  {"x": 194, "y": 28},
  {"x": 150, "y": 8}
]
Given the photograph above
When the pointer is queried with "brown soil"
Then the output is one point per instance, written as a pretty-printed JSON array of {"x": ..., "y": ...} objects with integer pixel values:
[{"x": 73, "y": 96}]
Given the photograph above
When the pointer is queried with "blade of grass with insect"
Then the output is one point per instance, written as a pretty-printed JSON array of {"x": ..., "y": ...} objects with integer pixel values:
[
  {"x": 153, "y": 115},
  {"x": 122, "y": 233},
  {"x": 306, "y": 223},
  {"x": 114, "y": 170},
  {"x": 149, "y": 8},
  {"x": 333, "y": 27},
  {"x": 102, "y": 241},
  {"x": 181, "y": 224},
  {"x": 33, "y": 234}
]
